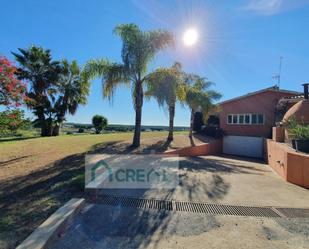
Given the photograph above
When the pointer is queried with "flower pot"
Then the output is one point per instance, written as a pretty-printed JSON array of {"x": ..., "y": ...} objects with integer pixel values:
[{"x": 301, "y": 145}]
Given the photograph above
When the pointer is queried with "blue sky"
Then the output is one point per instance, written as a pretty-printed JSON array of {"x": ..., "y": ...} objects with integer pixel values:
[{"x": 239, "y": 43}]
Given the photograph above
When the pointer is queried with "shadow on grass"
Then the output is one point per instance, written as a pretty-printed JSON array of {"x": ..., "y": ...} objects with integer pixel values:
[
  {"x": 3, "y": 163},
  {"x": 26, "y": 201},
  {"x": 10, "y": 139},
  {"x": 126, "y": 148}
]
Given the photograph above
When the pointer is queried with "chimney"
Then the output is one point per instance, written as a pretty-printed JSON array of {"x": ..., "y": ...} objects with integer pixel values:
[{"x": 306, "y": 90}]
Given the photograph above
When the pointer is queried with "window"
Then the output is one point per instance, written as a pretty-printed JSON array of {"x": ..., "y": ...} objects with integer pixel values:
[
  {"x": 246, "y": 119},
  {"x": 235, "y": 119},
  {"x": 260, "y": 119},
  {"x": 241, "y": 119},
  {"x": 253, "y": 118},
  {"x": 229, "y": 119}
]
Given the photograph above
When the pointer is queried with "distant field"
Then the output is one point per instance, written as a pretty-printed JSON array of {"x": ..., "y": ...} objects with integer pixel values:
[{"x": 38, "y": 175}]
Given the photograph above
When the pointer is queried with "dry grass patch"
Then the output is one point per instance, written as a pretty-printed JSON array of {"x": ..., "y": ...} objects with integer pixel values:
[{"x": 39, "y": 175}]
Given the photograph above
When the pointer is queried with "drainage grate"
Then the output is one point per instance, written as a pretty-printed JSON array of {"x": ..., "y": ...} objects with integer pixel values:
[
  {"x": 294, "y": 212},
  {"x": 135, "y": 202},
  {"x": 219, "y": 209},
  {"x": 206, "y": 208}
]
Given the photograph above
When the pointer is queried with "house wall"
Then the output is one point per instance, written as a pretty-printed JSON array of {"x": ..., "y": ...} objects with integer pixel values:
[{"x": 264, "y": 103}]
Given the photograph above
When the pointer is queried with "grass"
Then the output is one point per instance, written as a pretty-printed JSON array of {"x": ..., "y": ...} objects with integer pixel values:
[{"x": 39, "y": 175}]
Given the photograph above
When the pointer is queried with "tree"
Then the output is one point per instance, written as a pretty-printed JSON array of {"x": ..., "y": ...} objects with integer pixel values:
[
  {"x": 198, "y": 121},
  {"x": 99, "y": 122},
  {"x": 198, "y": 96},
  {"x": 57, "y": 88},
  {"x": 37, "y": 66},
  {"x": 12, "y": 90},
  {"x": 166, "y": 86},
  {"x": 73, "y": 90},
  {"x": 138, "y": 49},
  {"x": 11, "y": 121}
]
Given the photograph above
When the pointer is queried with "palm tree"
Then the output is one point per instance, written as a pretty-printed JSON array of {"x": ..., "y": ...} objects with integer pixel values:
[
  {"x": 198, "y": 96},
  {"x": 166, "y": 86},
  {"x": 55, "y": 88},
  {"x": 138, "y": 49},
  {"x": 37, "y": 67},
  {"x": 73, "y": 91}
]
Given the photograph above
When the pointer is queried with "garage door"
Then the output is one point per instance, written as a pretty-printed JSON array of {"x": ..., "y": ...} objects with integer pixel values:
[{"x": 243, "y": 146}]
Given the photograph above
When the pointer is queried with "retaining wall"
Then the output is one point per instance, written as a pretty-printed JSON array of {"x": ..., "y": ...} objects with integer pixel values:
[
  {"x": 292, "y": 166},
  {"x": 211, "y": 148}
]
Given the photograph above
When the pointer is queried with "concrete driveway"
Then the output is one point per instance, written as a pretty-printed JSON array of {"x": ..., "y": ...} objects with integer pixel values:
[
  {"x": 226, "y": 180},
  {"x": 109, "y": 227},
  {"x": 203, "y": 179}
]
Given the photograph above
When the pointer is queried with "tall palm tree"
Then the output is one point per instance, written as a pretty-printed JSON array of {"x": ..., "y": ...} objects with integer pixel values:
[
  {"x": 166, "y": 86},
  {"x": 138, "y": 49},
  {"x": 73, "y": 91},
  {"x": 199, "y": 96},
  {"x": 37, "y": 67}
]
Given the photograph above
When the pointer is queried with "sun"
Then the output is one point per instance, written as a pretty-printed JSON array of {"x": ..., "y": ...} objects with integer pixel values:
[{"x": 190, "y": 37}]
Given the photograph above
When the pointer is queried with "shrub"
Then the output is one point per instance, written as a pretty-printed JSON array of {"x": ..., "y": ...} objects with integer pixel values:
[
  {"x": 99, "y": 122},
  {"x": 296, "y": 130},
  {"x": 11, "y": 121},
  {"x": 212, "y": 131},
  {"x": 300, "y": 132},
  {"x": 81, "y": 130},
  {"x": 198, "y": 121}
]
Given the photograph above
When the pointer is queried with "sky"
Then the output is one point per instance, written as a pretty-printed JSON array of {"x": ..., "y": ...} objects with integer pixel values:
[{"x": 238, "y": 48}]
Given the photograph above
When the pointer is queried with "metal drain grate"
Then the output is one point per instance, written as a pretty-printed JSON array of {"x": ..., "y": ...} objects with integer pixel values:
[
  {"x": 135, "y": 202},
  {"x": 294, "y": 212},
  {"x": 219, "y": 209},
  {"x": 206, "y": 208}
]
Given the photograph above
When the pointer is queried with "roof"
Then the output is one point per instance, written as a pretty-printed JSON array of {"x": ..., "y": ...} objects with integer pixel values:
[
  {"x": 292, "y": 99},
  {"x": 272, "y": 89}
]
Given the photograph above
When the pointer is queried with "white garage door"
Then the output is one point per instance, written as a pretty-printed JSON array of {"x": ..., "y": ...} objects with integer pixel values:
[{"x": 243, "y": 146}]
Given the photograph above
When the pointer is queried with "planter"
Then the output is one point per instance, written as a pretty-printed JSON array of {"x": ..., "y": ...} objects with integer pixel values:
[{"x": 301, "y": 145}]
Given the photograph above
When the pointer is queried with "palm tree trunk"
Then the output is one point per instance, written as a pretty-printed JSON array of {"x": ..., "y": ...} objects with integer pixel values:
[
  {"x": 49, "y": 128},
  {"x": 42, "y": 122},
  {"x": 191, "y": 123},
  {"x": 171, "y": 122},
  {"x": 58, "y": 123},
  {"x": 56, "y": 130},
  {"x": 138, "y": 113}
]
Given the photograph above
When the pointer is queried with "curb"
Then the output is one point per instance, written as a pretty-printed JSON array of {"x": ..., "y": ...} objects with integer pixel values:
[{"x": 50, "y": 228}]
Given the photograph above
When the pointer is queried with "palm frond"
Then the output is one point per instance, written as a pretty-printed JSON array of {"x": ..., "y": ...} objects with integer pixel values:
[
  {"x": 140, "y": 47},
  {"x": 165, "y": 85},
  {"x": 114, "y": 75},
  {"x": 95, "y": 68}
]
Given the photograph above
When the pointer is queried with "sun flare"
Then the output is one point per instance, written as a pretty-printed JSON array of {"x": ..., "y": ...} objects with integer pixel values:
[{"x": 190, "y": 37}]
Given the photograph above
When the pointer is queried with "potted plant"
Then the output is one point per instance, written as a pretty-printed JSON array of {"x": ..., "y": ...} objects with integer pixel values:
[{"x": 300, "y": 135}]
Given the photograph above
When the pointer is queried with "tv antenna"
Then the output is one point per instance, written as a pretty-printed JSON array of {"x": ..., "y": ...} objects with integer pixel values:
[{"x": 278, "y": 76}]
